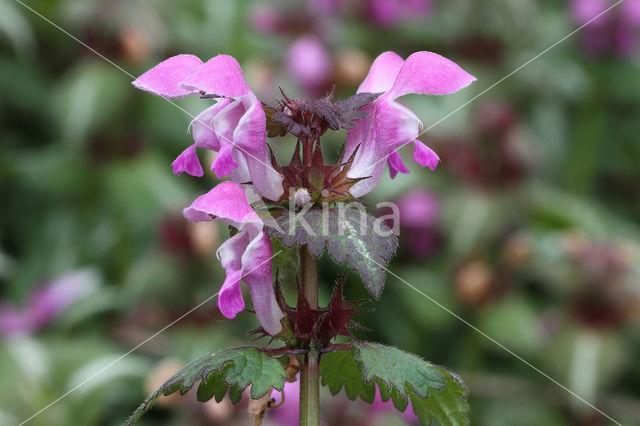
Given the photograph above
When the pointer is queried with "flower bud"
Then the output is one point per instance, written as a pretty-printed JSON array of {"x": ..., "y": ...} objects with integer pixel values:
[{"x": 301, "y": 197}]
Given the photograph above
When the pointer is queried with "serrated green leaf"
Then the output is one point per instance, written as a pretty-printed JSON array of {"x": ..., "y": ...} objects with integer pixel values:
[
  {"x": 233, "y": 369},
  {"x": 395, "y": 367},
  {"x": 213, "y": 386},
  {"x": 235, "y": 394},
  {"x": 339, "y": 369},
  {"x": 349, "y": 235},
  {"x": 437, "y": 396},
  {"x": 446, "y": 406}
]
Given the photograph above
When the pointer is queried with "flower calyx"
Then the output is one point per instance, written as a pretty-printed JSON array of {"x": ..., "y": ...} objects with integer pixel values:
[
  {"x": 305, "y": 324},
  {"x": 310, "y": 180}
]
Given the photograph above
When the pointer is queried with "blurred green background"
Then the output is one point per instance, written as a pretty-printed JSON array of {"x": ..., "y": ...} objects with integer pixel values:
[{"x": 529, "y": 229}]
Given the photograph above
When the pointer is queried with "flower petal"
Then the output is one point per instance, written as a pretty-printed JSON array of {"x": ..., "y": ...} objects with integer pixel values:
[
  {"x": 250, "y": 139},
  {"x": 188, "y": 162},
  {"x": 395, "y": 125},
  {"x": 256, "y": 263},
  {"x": 382, "y": 74},
  {"x": 226, "y": 202},
  {"x": 228, "y": 117},
  {"x": 164, "y": 78},
  {"x": 201, "y": 127},
  {"x": 430, "y": 74},
  {"x": 425, "y": 156},
  {"x": 392, "y": 126},
  {"x": 249, "y": 260},
  {"x": 396, "y": 165},
  {"x": 230, "y": 300},
  {"x": 224, "y": 163},
  {"x": 220, "y": 75},
  {"x": 230, "y": 253}
]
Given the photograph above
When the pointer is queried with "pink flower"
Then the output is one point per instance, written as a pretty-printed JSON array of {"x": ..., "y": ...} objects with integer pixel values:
[
  {"x": 287, "y": 414},
  {"x": 309, "y": 63},
  {"x": 245, "y": 256},
  {"x": 419, "y": 208},
  {"x": 46, "y": 303},
  {"x": 388, "y": 13},
  {"x": 389, "y": 125},
  {"x": 419, "y": 216},
  {"x": 380, "y": 407},
  {"x": 234, "y": 127},
  {"x": 614, "y": 31}
]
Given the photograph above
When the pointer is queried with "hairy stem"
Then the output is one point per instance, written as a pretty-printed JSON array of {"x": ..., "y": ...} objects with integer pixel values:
[{"x": 309, "y": 377}]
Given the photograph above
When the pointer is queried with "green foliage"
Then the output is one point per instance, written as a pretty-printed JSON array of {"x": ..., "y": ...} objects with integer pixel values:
[
  {"x": 437, "y": 396},
  {"x": 349, "y": 235},
  {"x": 233, "y": 369}
]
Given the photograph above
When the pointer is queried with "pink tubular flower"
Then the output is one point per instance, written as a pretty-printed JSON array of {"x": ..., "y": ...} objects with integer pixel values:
[
  {"x": 245, "y": 256},
  {"x": 234, "y": 127},
  {"x": 387, "y": 13},
  {"x": 389, "y": 125}
]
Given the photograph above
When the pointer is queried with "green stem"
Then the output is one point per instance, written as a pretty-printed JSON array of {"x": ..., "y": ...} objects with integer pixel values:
[
  {"x": 309, "y": 267},
  {"x": 309, "y": 376}
]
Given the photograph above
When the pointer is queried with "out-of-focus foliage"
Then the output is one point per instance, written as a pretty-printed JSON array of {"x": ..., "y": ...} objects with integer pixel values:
[{"x": 530, "y": 230}]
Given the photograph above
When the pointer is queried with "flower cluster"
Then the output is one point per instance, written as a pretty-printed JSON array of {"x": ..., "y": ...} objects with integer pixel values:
[{"x": 237, "y": 125}]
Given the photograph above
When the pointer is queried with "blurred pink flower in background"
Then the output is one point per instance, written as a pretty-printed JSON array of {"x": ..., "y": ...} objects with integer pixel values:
[
  {"x": 325, "y": 7},
  {"x": 419, "y": 208},
  {"x": 387, "y": 13},
  {"x": 496, "y": 154},
  {"x": 419, "y": 216},
  {"x": 310, "y": 64},
  {"x": 266, "y": 19},
  {"x": 288, "y": 413},
  {"x": 614, "y": 32},
  {"x": 380, "y": 408},
  {"x": 46, "y": 303},
  {"x": 319, "y": 15},
  {"x": 360, "y": 413}
]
